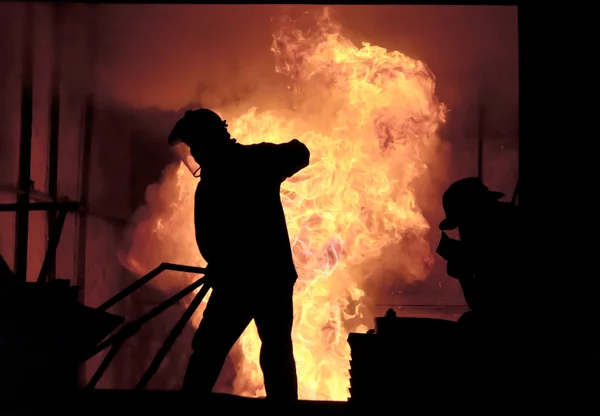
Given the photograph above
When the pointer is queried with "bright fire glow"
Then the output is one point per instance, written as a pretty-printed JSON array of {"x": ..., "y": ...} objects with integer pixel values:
[{"x": 370, "y": 118}]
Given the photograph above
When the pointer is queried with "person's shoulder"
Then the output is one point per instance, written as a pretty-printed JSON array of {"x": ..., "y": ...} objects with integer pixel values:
[
  {"x": 256, "y": 149},
  {"x": 256, "y": 146},
  {"x": 252, "y": 155}
]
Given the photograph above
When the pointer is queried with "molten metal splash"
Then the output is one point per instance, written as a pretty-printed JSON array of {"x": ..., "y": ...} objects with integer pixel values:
[{"x": 370, "y": 118}]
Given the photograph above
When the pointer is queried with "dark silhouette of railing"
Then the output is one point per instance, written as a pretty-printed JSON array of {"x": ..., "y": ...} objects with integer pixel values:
[
  {"x": 63, "y": 208},
  {"x": 117, "y": 340}
]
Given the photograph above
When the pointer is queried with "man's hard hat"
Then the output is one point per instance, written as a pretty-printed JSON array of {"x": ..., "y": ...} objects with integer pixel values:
[
  {"x": 196, "y": 125},
  {"x": 461, "y": 194}
]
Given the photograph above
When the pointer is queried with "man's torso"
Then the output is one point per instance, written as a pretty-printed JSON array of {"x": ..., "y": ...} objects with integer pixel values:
[
  {"x": 239, "y": 219},
  {"x": 496, "y": 250}
]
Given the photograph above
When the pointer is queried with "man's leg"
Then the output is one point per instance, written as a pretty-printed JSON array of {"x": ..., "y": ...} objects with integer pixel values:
[
  {"x": 225, "y": 319},
  {"x": 274, "y": 319}
]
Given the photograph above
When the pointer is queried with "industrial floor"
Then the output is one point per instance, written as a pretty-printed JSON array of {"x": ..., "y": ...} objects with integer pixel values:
[
  {"x": 148, "y": 403},
  {"x": 168, "y": 403},
  {"x": 219, "y": 404}
]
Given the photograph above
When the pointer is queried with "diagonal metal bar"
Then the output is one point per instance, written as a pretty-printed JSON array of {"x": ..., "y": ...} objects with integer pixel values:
[
  {"x": 515, "y": 194},
  {"x": 133, "y": 327},
  {"x": 50, "y": 257},
  {"x": 112, "y": 353},
  {"x": 173, "y": 335},
  {"x": 131, "y": 288},
  {"x": 146, "y": 278}
]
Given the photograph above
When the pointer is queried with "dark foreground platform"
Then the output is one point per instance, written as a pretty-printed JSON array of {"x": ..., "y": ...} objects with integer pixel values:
[
  {"x": 150, "y": 403},
  {"x": 168, "y": 403}
]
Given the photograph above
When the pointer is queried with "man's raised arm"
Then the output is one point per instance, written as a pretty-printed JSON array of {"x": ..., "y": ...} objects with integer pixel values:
[{"x": 286, "y": 159}]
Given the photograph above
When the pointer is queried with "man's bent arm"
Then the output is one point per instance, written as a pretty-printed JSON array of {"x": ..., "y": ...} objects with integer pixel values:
[{"x": 286, "y": 159}]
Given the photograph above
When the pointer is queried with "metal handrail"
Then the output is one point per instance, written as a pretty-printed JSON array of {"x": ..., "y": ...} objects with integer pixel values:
[{"x": 129, "y": 329}]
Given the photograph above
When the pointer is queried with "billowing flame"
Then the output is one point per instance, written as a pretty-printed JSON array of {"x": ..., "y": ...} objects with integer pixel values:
[{"x": 370, "y": 118}]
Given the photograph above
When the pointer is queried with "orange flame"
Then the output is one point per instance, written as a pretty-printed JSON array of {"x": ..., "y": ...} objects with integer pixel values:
[{"x": 370, "y": 118}]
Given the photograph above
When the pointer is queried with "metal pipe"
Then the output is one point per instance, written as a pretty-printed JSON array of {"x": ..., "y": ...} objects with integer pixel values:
[
  {"x": 86, "y": 156},
  {"x": 54, "y": 129},
  {"x": 84, "y": 194},
  {"x": 515, "y": 194},
  {"x": 480, "y": 130},
  {"x": 22, "y": 220},
  {"x": 529, "y": 56}
]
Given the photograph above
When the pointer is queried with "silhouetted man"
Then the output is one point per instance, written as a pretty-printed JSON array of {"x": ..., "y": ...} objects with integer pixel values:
[
  {"x": 487, "y": 257},
  {"x": 487, "y": 261},
  {"x": 242, "y": 234}
]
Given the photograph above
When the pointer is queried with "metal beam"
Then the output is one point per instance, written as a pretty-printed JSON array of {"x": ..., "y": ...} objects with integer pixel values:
[
  {"x": 480, "y": 133},
  {"x": 54, "y": 129},
  {"x": 529, "y": 53},
  {"x": 86, "y": 155},
  {"x": 24, "y": 184},
  {"x": 84, "y": 167}
]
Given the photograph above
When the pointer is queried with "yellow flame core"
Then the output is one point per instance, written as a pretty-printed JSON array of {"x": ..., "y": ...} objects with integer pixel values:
[{"x": 369, "y": 118}]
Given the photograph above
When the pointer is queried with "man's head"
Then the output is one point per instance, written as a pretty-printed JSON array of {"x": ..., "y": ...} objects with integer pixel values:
[
  {"x": 198, "y": 134},
  {"x": 465, "y": 199}
]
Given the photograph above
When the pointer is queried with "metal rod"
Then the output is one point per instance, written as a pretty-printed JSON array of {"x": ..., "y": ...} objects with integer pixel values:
[
  {"x": 529, "y": 54},
  {"x": 131, "y": 288},
  {"x": 145, "y": 279},
  {"x": 173, "y": 335},
  {"x": 85, "y": 161},
  {"x": 22, "y": 220},
  {"x": 110, "y": 356},
  {"x": 54, "y": 128},
  {"x": 515, "y": 194},
  {"x": 50, "y": 257},
  {"x": 132, "y": 328},
  {"x": 480, "y": 130},
  {"x": 84, "y": 195},
  {"x": 86, "y": 153}
]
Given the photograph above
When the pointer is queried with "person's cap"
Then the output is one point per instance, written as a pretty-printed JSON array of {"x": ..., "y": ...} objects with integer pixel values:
[
  {"x": 460, "y": 194},
  {"x": 194, "y": 125}
]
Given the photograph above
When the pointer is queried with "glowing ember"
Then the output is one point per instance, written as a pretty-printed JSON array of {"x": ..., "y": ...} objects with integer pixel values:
[{"x": 370, "y": 119}]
